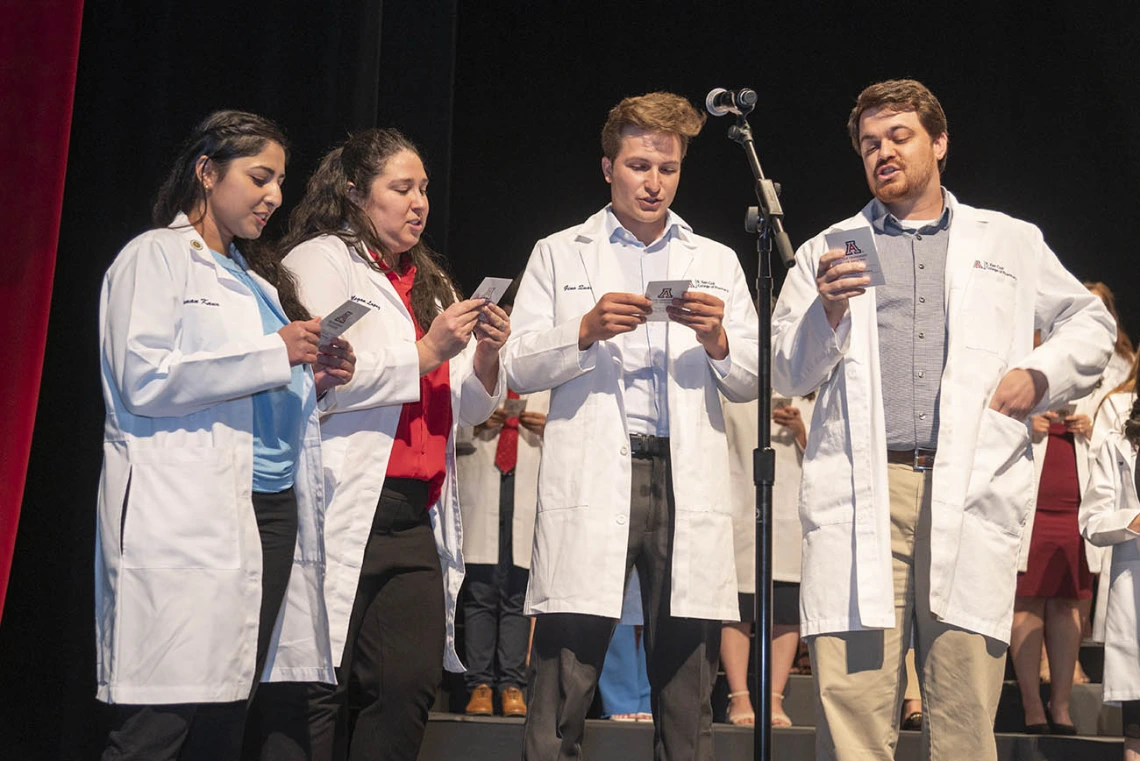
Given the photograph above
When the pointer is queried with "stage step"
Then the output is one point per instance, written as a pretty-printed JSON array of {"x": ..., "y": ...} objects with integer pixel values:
[
  {"x": 1090, "y": 715},
  {"x": 452, "y": 737}
]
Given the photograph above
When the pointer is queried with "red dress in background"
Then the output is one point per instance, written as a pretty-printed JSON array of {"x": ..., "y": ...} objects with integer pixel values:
[{"x": 1057, "y": 565}]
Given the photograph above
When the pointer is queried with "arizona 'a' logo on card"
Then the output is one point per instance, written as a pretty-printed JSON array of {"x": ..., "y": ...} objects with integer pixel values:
[
  {"x": 852, "y": 249},
  {"x": 666, "y": 293}
]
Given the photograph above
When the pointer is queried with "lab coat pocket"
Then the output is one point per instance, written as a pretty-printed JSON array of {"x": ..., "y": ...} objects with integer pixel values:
[
  {"x": 182, "y": 509},
  {"x": 988, "y": 311},
  {"x": 825, "y": 494},
  {"x": 1001, "y": 488},
  {"x": 703, "y": 560}
]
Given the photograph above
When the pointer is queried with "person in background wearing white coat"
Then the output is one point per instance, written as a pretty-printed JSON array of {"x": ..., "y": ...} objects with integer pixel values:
[
  {"x": 918, "y": 477},
  {"x": 210, "y": 499},
  {"x": 789, "y": 438},
  {"x": 498, "y": 489},
  {"x": 1054, "y": 588},
  {"x": 428, "y": 362},
  {"x": 1110, "y": 517},
  {"x": 1118, "y": 374},
  {"x": 635, "y": 461}
]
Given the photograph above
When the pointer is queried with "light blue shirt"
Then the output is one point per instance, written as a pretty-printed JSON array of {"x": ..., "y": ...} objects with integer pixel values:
[
  {"x": 278, "y": 414},
  {"x": 644, "y": 349}
]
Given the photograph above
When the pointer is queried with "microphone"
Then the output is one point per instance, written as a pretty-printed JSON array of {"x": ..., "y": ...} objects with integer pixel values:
[{"x": 721, "y": 102}]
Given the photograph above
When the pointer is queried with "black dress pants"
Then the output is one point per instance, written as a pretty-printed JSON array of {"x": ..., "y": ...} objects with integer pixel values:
[
  {"x": 681, "y": 653},
  {"x": 393, "y": 657},
  {"x": 213, "y": 731},
  {"x": 493, "y": 620}
]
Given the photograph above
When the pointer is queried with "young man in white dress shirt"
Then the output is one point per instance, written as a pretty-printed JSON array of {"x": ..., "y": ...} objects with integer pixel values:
[
  {"x": 635, "y": 461},
  {"x": 918, "y": 476}
]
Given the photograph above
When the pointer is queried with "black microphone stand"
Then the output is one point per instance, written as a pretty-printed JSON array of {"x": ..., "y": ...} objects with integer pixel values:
[{"x": 767, "y": 222}]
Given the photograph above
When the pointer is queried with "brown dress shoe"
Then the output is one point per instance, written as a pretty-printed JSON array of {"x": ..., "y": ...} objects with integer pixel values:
[
  {"x": 480, "y": 702},
  {"x": 514, "y": 704}
]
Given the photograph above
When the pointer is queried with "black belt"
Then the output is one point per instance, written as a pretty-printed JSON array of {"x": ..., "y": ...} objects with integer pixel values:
[
  {"x": 645, "y": 447},
  {"x": 918, "y": 459}
]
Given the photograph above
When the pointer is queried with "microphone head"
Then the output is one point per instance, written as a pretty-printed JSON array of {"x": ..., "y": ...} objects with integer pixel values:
[
  {"x": 746, "y": 99},
  {"x": 711, "y": 102}
]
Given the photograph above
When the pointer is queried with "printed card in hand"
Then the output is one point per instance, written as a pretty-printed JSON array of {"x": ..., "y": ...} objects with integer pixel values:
[
  {"x": 859, "y": 245},
  {"x": 662, "y": 293},
  {"x": 492, "y": 289},
  {"x": 341, "y": 319},
  {"x": 515, "y": 407}
]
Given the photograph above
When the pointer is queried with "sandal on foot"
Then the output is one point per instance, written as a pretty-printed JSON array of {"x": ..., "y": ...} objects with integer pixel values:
[
  {"x": 622, "y": 717},
  {"x": 739, "y": 719},
  {"x": 780, "y": 718}
]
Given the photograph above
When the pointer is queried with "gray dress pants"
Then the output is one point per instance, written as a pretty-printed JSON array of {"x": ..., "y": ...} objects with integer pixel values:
[{"x": 682, "y": 653}]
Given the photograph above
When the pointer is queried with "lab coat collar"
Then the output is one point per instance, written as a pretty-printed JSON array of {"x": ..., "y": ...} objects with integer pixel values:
[
  {"x": 200, "y": 251},
  {"x": 602, "y": 269},
  {"x": 599, "y": 227},
  {"x": 198, "y": 248}
]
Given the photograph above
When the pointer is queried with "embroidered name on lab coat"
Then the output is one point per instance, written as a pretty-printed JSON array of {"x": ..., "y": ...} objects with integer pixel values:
[
  {"x": 995, "y": 268},
  {"x": 202, "y": 302},
  {"x": 707, "y": 285},
  {"x": 366, "y": 302}
]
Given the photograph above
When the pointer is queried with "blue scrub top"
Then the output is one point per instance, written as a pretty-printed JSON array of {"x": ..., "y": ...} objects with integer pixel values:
[{"x": 278, "y": 414}]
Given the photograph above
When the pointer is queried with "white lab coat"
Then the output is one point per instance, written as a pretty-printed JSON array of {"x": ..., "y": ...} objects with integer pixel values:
[
  {"x": 178, "y": 555},
  {"x": 1109, "y": 505},
  {"x": 1116, "y": 372},
  {"x": 581, "y": 528},
  {"x": 479, "y": 485},
  {"x": 1002, "y": 281},
  {"x": 741, "y": 427},
  {"x": 361, "y": 421},
  {"x": 1110, "y": 416}
]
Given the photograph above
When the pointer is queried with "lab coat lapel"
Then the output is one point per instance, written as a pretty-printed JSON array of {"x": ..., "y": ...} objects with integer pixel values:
[
  {"x": 603, "y": 272},
  {"x": 967, "y": 234},
  {"x": 388, "y": 291},
  {"x": 681, "y": 250}
]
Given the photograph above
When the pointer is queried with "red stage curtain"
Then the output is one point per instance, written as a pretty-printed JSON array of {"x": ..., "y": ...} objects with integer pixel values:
[{"x": 39, "y": 48}]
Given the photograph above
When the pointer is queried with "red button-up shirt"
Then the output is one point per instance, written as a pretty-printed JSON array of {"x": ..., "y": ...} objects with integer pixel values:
[{"x": 420, "y": 447}]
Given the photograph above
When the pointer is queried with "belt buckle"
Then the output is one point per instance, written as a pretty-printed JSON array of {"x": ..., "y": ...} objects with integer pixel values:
[{"x": 917, "y": 464}]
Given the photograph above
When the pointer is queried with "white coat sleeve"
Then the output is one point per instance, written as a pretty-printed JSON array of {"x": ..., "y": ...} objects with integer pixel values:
[
  {"x": 1103, "y": 519},
  {"x": 742, "y": 381},
  {"x": 1077, "y": 332},
  {"x": 805, "y": 350},
  {"x": 142, "y": 313},
  {"x": 541, "y": 354},
  {"x": 385, "y": 374}
]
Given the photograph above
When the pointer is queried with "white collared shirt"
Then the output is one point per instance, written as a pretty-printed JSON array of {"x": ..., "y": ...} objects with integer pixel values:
[{"x": 643, "y": 349}]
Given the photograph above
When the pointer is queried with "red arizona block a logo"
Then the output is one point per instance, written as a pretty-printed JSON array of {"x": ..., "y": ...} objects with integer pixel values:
[
  {"x": 977, "y": 265},
  {"x": 852, "y": 249}
]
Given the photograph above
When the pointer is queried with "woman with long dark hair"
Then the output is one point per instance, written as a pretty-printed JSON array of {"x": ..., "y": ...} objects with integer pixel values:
[
  {"x": 1110, "y": 517},
  {"x": 210, "y": 495},
  {"x": 428, "y": 362}
]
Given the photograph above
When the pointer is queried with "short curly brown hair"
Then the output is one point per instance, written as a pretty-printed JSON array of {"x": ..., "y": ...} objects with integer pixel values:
[
  {"x": 655, "y": 112},
  {"x": 900, "y": 95}
]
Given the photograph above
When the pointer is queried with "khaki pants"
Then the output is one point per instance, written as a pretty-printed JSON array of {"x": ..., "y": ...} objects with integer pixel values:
[{"x": 858, "y": 674}]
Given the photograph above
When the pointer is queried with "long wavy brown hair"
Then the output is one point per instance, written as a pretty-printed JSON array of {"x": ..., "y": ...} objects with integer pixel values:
[{"x": 327, "y": 209}]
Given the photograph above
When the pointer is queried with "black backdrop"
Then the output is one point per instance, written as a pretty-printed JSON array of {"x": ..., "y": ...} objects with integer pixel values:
[{"x": 507, "y": 101}]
